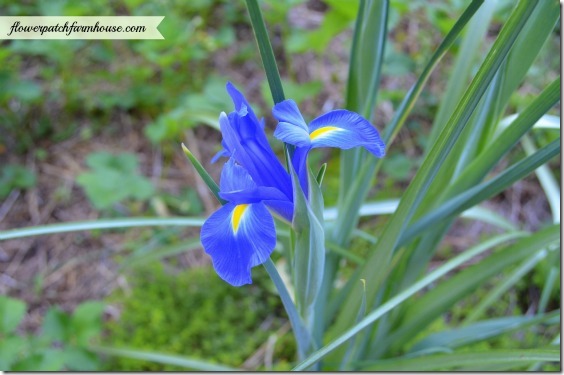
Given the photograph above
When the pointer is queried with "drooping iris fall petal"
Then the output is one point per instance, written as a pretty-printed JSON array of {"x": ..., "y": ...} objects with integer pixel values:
[
  {"x": 345, "y": 129},
  {"x": 242, "y": 234},
  {"x": 288, "y": 111},
  {"x": 339, "y": 128},
  {"x": 239, "y": 237}
]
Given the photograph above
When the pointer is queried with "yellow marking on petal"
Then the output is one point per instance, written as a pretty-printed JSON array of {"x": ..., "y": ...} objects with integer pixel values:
[
  {"x": 322, "y": 131},
  {"x": 238, "y": 213}
]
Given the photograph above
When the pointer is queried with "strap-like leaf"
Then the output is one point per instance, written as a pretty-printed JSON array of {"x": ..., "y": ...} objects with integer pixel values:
[
  {"x": 483, "y": 191},
  {"x": 167, "y": 359},
  {"x": 203, "y": 174},
  {"x": 102, "y": 224},
  {"x": 514, "y": 358}
]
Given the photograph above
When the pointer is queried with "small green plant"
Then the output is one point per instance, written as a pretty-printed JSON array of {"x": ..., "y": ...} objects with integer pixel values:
[
  {"x": 195, "y": 314},
  {"x": 193, "y": 109},
  {"x": 15, "y": 177},
  {"x": 112, "y": 179},
  {"x": 298, "y": 91},
  {"x": 62, "y": 342},
  {"x": 338, "y": 18}
]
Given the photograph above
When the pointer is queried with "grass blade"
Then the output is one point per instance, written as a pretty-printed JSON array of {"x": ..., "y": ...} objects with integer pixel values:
[
  {"x": 203, "y": 174},
  {"x": 479, "y": 331},
  {"x": 481, "y": 192},
  {"x": 266, "y": 53},
  {"x": 547, "y": 181},
  {"x": 344, "y": 252},
  {"x": 163, "y": 252},
  {"x": 300, "y": 333},
  {"x": 408, "y": 102},
  {"x": 268, "y": 61},
  {"x": 547, "y": 289},
  {"x": 354, "y": 343},
  {"x": 166, "y": 359},
  {"x": 528, "y": 45},
  {"x": 509, "y": 137},
  {"x": 473, "y": 38},
  {"x": 515, "y": 358},
  {"x": 366, "y": 57},
  {"x": 101, "y": 224},
  {"x": 355, "y": 179},
  {"x": 495, "y": 294},
  {"x": 388, "y": 206},
  {"x": 321, "y": 174},
  {"x": 470, "y": 177}
]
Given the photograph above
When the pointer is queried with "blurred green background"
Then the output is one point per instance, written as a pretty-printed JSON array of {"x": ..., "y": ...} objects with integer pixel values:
[{"x": 92, "y": 129}]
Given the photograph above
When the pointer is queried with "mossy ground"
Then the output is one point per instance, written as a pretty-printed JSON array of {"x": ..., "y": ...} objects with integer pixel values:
[{"x": 195, "y": 314}]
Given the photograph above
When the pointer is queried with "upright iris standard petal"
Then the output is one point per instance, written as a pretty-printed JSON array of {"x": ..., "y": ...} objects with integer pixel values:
[
  {"x": 292, "y": 134},
  {"x": 239, "y": 237},
  {"x": 288, "y": 111},
  {"x": 345, "y": 129},
  {"x": 245, "y": 140},
  {"x": 235, "y": 178},
  {"x": 241, "y": 105}
]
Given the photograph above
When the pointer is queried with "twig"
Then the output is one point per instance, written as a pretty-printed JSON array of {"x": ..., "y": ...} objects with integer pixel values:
[
  {"x": 266, "y": 350},
  {"x": 8, "y": 203},
  {"x": 157, "y": 166}
]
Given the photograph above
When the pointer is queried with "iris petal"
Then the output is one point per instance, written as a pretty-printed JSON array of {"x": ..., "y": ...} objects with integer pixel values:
[
  {"x": 237, "y": 187},
  {"x": 345, "y": 129},
  {"x": 232, "y": 144},
  {"x": 299, "y": 162},
  {"x": 230, "y": 140},
  {"x": 234, "y": 178},
  {"x": 219, "y": 154},
  {"x": 238, "y": 237},
  {"x": 253, "y": 195},
  {"x": 284, "y": 209},
  {"x": 253, "y": 153},
  {"x": 241, "y": 105},
  {"x": 292, "y": 134},
  {"x": 288, "y": 111}
]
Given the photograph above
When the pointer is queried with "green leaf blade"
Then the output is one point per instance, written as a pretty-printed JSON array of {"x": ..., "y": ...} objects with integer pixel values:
[{"x": 515, "y": 358}]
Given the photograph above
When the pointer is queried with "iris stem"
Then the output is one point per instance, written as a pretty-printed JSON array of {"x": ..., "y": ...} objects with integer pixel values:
[{"x": 300, "y": 333}]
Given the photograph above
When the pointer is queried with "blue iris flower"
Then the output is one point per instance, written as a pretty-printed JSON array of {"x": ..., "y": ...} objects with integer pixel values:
[
  {"x": 241, "y": 234},
  {"x": 338, "y": 128}
]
